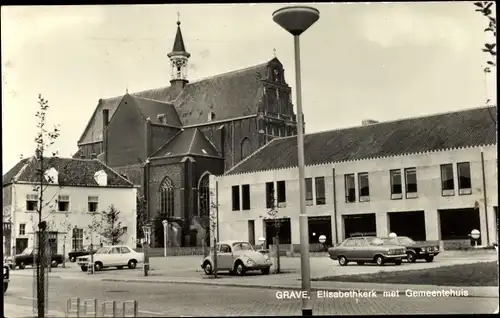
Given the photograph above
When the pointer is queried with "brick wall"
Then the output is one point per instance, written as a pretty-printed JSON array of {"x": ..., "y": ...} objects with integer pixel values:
[
  {"x": 126, "y": 136},
  {"x": 158, "y": 171}
]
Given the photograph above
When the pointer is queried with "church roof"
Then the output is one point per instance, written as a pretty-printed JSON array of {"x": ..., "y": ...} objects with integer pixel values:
[
  {"x": 152, "y": 108},
  {"x": 187, "y": 142},
  {"x": 229, "y": 95},
  {"x": 466, "y": 128},
  {"x": 71, "y": 172}
]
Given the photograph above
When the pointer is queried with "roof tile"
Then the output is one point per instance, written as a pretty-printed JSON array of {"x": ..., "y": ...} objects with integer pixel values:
[{"x": 467, "y": 128}]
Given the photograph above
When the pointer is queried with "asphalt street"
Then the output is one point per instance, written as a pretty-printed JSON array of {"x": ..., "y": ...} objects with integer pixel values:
[{"x": 160, "y": 299}]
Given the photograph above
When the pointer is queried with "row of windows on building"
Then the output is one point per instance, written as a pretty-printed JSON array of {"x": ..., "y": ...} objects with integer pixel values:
[
  {"x": 315, "y": 187},
  {"x": 62, "y": 203},
  {"x": 411, "y": 185},
  {"x": 276, "y": 194}
]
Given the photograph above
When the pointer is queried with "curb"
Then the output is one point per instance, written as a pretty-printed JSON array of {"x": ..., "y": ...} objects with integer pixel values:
[{"x": 377, "y": 290}]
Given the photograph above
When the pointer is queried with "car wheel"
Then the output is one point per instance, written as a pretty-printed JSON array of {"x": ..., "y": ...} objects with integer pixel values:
[
  {"x": 265, "y": 271},
  {"x": 5, "y": 286},
  {"x": 98, "y": 266},
  {"x": 84, "y": 268},
  {"x": 379, "y": 259},
  {"x": 119, "y": 267},
  {"x": 240, "y": 269},
  {"x": 72, "y": 259},
  {"x": 361, "y": 263},
  {"x": 411, "y": 257},
  {"x": 343, "y": 261},
  {"x": 54, "y": 263},
  {"x": 22, "y": 266},
  {"x": 429, "y": 258},
  {"x": 207, "y": 268},
  {"x": 398, "y": 262},
  {"x": 132, "y": 264}
]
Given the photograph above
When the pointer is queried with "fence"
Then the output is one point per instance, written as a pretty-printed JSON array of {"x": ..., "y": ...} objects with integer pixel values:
[
  {"x": 175, "y": 251},
  {"x": 128, "y": 308}
]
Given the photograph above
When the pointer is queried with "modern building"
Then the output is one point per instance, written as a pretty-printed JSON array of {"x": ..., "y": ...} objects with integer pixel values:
[
  {"x": 76, "y": 192},
  {"x": 168, "y": 140},
  {"x": 430, "y": 178}
]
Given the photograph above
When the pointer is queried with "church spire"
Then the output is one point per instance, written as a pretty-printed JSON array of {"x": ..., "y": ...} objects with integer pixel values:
[{"x": 179, "y": 58}]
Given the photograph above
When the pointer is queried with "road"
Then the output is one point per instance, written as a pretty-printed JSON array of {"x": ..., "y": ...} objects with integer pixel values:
[{"x": 159, "y": 299}]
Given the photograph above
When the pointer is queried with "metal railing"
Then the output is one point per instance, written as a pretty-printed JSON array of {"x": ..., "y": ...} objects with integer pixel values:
[{"x": 129, "y": 308}]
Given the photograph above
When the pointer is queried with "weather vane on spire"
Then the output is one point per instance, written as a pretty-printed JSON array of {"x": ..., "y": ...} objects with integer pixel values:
[
  {"x": 178, "y": 17},
  {"x": 274, "y": 51}
]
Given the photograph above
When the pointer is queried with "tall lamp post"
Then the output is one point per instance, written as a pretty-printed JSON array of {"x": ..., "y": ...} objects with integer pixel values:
[
  {"x": 165, "y": 237},
  {"x": 296, "y": 20}
]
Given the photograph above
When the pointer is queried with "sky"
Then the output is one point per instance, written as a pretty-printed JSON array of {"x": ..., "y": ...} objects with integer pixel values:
[{"x": 381, "y": 61}]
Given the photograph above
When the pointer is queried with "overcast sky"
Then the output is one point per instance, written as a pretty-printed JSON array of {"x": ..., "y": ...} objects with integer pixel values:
[{"x": 359, "y": 61}]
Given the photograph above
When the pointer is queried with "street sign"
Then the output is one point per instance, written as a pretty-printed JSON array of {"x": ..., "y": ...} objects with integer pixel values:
[
  {"x": 475, "y": 234},
  {"x": 322, "y": 239}
]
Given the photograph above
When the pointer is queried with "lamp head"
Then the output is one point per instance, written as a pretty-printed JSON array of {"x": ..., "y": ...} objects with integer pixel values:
[
  {"x": 164, "y": 222},
  {"x": 296, "y": 19}
]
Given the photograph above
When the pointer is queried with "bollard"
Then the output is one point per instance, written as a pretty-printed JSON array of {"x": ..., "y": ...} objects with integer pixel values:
[
  {"x": 70, "y": 309},
  {"x": 93, "y": 303},
  {"x": 135, "y": 308},
  {"x": 104, "y": 307}
]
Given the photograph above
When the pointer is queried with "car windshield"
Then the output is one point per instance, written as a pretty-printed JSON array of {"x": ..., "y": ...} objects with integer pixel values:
[
  {"x": 27, "y": 251},
  {"x": 376, "y": 241},
  {"x": 242, "y": 246},
  {"x": 103, "y": 250}
]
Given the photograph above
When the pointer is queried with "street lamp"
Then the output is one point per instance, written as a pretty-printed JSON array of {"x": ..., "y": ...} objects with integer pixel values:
[
  {"x": 165, "y": 232},
  {"x": 392, "y": 235},
  {"x": 322, "y": 240},
  {"x": 296, "y": 20}
]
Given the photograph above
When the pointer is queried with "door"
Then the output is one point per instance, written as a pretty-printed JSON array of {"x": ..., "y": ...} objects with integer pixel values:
[
  {"x": 251, "y": 232},
  {"x": 363, "y": 249},
  {"x": 125, "y": 255},
  {"x": 21, "y": 245},
  {"x": 115, "y": 257},
  {"x": 225, "y": 257},
  {"x": 52, "y": 240}
]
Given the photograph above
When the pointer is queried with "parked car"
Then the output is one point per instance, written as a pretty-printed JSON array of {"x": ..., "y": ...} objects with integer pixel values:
[
  {"x": 6, "y": 277},
  {"x": 415, "y": 250},
  {"x": 73, "y": 255},
  {"x": 117, "y": 256},
  {"x": 367, "y": 250},
  {"x": 30, "y": 256},
  {"x": 8, "y": 261},
  {"x": 237, "y": 257}
]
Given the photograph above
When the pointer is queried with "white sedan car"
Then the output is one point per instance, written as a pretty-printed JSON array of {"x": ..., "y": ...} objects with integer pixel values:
[{"x": 112, "y": 256}]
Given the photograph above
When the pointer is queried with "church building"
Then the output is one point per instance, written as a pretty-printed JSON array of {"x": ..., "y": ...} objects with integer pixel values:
[{"x": 169, "y": 140}]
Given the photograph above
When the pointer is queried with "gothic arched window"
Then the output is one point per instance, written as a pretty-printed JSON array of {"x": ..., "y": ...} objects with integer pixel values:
[
  {"x": 246, "y": 148},
  {"x": 204, "y": 195},
  {"x": 167, "y": 197}
]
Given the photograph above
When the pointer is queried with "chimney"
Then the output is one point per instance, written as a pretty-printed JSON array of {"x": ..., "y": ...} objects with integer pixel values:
[
  {"x": 162, "y": 118},
  {"x": 105, "y": 122},
  {"x": 368, "y": 122},
  {"x": 93, "y": 156}
]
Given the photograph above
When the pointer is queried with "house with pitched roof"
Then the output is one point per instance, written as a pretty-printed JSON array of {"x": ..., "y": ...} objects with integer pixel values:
[
  {"x": 429, "y": 178},
  {"x": 76, "y": 192},
  {"x": 168, "y": 140}
]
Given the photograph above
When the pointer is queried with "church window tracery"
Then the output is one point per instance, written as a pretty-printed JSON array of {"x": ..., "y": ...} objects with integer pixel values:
[{"x": 167, "y": 197}]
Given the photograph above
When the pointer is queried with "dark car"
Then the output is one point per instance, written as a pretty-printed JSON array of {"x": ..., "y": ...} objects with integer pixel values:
[
  {"x": 6, "y": 277},
  {"x": 73, "y": 255},
  {"x": 29, "y": 257},
  {"x": 367, "y": 250},
  {"x": 415, "y": 250}
]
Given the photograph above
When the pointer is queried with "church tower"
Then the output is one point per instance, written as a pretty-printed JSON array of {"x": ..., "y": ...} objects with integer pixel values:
[{"x": 179, "y": 61}]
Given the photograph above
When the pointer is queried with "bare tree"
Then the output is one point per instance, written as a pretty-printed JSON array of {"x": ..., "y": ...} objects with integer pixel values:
[
  {"x": 213, "y": 219},
  {"x": 112, "y": 230},
  {"x": 44, "y": 140},
  {"x": 273, "y": 215},
  {"x": 486, "y": 8}
]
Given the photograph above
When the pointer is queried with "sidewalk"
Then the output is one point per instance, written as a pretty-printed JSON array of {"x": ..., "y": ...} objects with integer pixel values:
[{"x": 17, "y": 311}]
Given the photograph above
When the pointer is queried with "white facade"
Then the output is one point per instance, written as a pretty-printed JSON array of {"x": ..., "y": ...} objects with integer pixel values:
[
  {"x": 24, "y": 222},
  {"x": 429, "y": 198}
]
